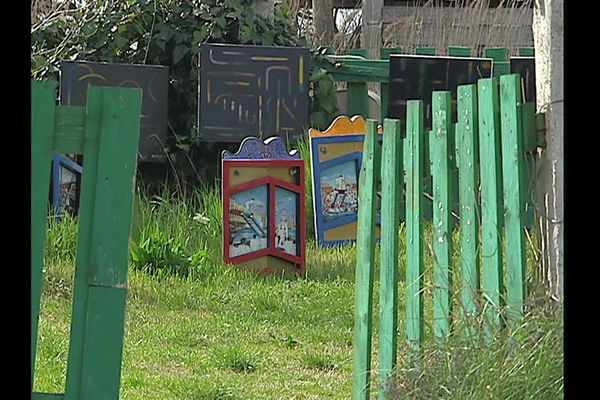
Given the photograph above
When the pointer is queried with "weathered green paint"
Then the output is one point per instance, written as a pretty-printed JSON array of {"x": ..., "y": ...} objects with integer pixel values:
[
  {"x": 414, "y": 226},
  {"x": 442, "y": 207},
  {"x": 491, "y": 193},
  {"x": 527, "y": 52},
  {"x": 47, "y": 396},
  {"x": 467, "y": 148},
  {"x": 459, "y": 51},
  {"x": 384, "y": 88},
  {"x": 112, "y": 123},
  {"x": 84, "y": 238},
  {"x": 43, "y": 111},
  {"x": 365, "y": 262},
  {"x": 514, "y": 199},
  {"x": 106, "y": 132},
  {"x": 391, "y": 181},
  {"x": 68, "y": 130},
  {"x": 501, "y": 64},
  {"x": 101, "y": 369},
  {"x": 530, "y": 156},
  {"x": 358, "y": 98},
  {"x": 426, "y": 51}
]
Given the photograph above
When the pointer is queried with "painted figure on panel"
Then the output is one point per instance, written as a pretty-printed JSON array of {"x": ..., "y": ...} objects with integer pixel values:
[
  {"x": 248, "y": 221},
  {"x": 285, "y": 211},
  {"x": 339, "y": 191}
]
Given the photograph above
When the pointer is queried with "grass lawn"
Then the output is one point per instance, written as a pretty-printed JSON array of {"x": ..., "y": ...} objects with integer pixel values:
[{"x": 196, "y": 329}]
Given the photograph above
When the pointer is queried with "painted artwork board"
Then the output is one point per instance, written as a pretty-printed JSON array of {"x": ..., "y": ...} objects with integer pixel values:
[
  {"x": 263, "y": 203},
  {"x": 418, "y": 76},
  {"x": 255, "y": 91},
  {"x": 66, "y": 182},
  {"x": 75, "y": 76},
  {"x": 336, "y": 158}
]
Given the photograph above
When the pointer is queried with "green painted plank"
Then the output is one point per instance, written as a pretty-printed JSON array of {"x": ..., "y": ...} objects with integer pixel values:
[
  {"x": 107, "y": 272},
  {"x": 527, "y": 52},
  {"x": 459, "y": 51},
  {"x": 529, "y": 131},
  {"x": 358, "y": 98},
  {"x": 365, "y": 262},
  {"x": 501, "y": 65},
  {"x": 47, "y": 396},
  {"x": 384, "y": 88},
  {"x": 467, "y": 148},
  {"x": 530, "y": 150},
  {"x": 391, "y": 182},
  {"x": 491, "y": 193},
  {"x": 514, "y": 198},
  {"x": 414, "y": 218},
  {"x": 426, "y": 51},
  {"x": 69, "y": 129},
  {"x": 442, "y": 207},
  {"x": 112, "y": 123},
  {"x": 84, "y": 237},
  {"x": 100, "y": 377},
  {"x": 114, "y": 186},
  {"x": 43, "y": 110}
]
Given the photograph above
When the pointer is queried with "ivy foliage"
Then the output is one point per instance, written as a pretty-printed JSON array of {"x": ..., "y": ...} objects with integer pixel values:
[{"x": 169, "y": 32}]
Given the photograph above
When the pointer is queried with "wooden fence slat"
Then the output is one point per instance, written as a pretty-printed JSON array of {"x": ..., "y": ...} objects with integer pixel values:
[
  {"x": 391, "y": 181},
  {"x": 529, "y": 148},
  {"x": 365, "y": 263},
  {"x": 459, "y": 51},
  {"x": 112, "y": 123},
  {"x": 69, "y": 129},
  {"x": 514, "y": 204},
  {"x": 414, "y": 222},
  {"x": 491, "y": 193},
  {"x": 501, "y": 64},
  {"x": 358, "y": 98},
  {"x": 426, "y": 51},
  {"x": 43, "y": 110},
  {"x": 87, "y": 198},
  {"x": 107, "y": 271},
  {"x": 467, "y": 149},
  {"x": 442, "y": 208}
]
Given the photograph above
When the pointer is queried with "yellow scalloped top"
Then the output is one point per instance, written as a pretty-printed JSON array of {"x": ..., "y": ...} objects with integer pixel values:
[{"x": 343, "y": 125}]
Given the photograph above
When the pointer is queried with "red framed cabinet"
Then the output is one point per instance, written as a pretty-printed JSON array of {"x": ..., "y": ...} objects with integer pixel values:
[{"x": 264, "y": 224}]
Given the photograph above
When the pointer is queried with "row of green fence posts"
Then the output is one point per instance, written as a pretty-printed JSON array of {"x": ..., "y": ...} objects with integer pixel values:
[
  {"x": 490, "y": 149},
  {"x": 358, "y": 71},
  {"x": 106, "y": 133}
]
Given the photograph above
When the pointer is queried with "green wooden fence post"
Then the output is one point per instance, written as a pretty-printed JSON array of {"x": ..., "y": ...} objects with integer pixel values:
[
  {"x": 526, "y": 52},
  {"x": 459, "y": 51},
  {"x": 43, "y": 110},
  {"x": 384, "y": 86},
  {"x": 414, "y": 222},
  {"x": 426, "y": 51},
  {"x": 100, "y": 277},
  {"x": 391, "y": 181},
  {"x": 467, "y": 149},
  {"x": 442, "y": 208},
  {"x": 514, "y": 201},
  {"x": 358, "y": 97},
  {"x": 529, "y": 147},
  {"x": 365, "y": 262},
  {"x": 501, "y": 64},
  {"x": 491, "y": 193}
]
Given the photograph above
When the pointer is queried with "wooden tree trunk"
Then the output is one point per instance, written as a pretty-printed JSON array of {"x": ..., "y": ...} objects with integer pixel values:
[
  {"x": 548, "y": 38},
  {"x": 323, "y": 21},
  {"x": 372, "y": 27},
  {"x": 266, "y": 8}
]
